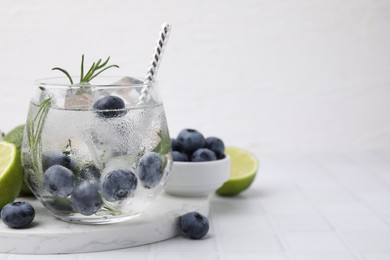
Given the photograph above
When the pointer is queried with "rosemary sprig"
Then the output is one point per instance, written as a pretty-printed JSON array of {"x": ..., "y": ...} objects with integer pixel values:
[
  {"x": 96, "y": 68},
  {"x": 34, "y": 129},
  {"x": 65, "y": 72}
]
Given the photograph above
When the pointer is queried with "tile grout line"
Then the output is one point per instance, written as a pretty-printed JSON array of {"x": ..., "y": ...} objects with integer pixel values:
[
  {"x": 366, "y": 204},
  {"x": 351, "y": 249},
  {"x": 328, "y": 172},
  {"x": 385, "y": 184},
  {"x": 278, "y": 232},
  {"x": 220, "y": 253}
]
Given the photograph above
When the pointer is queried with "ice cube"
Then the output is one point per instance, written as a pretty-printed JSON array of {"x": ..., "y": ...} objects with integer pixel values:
[
  {"x": 79, "y": 98},
  {"x": 128, "y": 81},
  {"x": 112, "y": 137},
  {"x": 129, "y": 94}
]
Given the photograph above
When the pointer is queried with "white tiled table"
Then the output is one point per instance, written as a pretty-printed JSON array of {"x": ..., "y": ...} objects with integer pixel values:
[{"x": 314, "y": 207}]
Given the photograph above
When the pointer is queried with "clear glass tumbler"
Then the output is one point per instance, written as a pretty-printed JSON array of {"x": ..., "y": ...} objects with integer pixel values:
[{"x": 92, "y": 153}]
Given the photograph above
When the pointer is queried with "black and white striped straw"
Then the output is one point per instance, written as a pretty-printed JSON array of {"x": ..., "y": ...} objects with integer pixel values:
[{"x": 155, "y": 63}]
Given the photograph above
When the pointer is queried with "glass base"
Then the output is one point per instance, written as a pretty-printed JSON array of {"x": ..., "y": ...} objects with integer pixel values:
[{"x": 95, "y": 220}]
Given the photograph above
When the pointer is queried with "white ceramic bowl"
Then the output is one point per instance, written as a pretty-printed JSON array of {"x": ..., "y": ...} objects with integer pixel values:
[{"x": 195, "y": 179}]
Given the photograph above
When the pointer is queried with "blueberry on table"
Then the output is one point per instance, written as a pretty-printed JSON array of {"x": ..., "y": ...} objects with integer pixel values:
[
  {"x": 203, "y": 155},
  {"x": 58, "y": 180},
  {"x": 190, "y": 140},
  {"x": 179, "y": 156},
  {"x": 216, "y": 145},
  {"x": 110, "y": 106},
  {"x": 119, "y": 185},
  {"x": 17, "y": 214},
  {"x": 176, "y": 146},
  {"x": 86, "y": 199},
  {"x": 194, "y": 225},
  {"x": 150, "y": 170}
]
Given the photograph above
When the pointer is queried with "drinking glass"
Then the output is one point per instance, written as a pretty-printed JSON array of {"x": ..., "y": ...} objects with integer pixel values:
[{"x": 92, "y": 152}]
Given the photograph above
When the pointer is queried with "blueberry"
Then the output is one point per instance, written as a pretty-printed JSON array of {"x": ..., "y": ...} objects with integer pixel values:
[
  {"x": 86, "y": 199},
  {"x": 194, "y": 225},
  {"x": 58, "y": 180},
  {"x": 203, "y": 155},
  {"x": 54, "y": 158},
  {"x": 190, "y": 140},
  {"x": 17, "y": 214},
  {"x": 119, "y": 184},
  {"x": 110, "y": 106},
  {"x": 179, "y": 156},
  {"x": 176, "y": 146},
  {"x": 59, "y": 205},
  {"x": 216, "y": 145},
  {"x": 150, "y": 170},
  {"x": 89, "y": 172}
]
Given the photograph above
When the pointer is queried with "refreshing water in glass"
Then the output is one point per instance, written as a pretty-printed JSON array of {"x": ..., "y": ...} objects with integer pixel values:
[{"x": 91, "y": 163}]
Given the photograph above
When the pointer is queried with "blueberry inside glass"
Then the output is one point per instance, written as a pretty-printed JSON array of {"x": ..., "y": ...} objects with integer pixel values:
[{"x": 92, "y": 154}]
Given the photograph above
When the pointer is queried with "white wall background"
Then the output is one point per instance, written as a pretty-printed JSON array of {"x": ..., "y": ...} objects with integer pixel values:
[{"x": 271, "y": 75}]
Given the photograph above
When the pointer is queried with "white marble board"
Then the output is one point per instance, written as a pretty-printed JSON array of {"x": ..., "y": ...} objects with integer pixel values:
[{"x": 48, "y": 235}]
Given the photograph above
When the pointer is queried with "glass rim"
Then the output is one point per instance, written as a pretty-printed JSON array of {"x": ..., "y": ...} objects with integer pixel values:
[{"x": 54, "y": 82}]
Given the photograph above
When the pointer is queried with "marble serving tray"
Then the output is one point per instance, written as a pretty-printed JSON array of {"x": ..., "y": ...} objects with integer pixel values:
[{"x": 48, "y": 235}]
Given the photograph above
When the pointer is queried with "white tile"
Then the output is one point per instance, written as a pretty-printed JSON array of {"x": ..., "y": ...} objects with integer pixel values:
[
  {"x": 42, "y": 257},
  {"x": 302, "y": 223},
  {"x": 326, "y": 257},
  {"x": 354, "y": 177},
  {"x": 302, "y": 170},
  {"x": 381, "y": 207},
  {"x": 291, "y": 208},
  {"x": 187, "y": 256},
  {"x": 361, "y": 223},
  {"x": 275, "y": 193},
  {"x": 254, "y": 256},
  {"x": 306, "y": 242},
  {"x": 112, "y": 255},
  {"x": 143, "y": 248},
  {"x": 370, "y": 242},
  {"x": 321, "y": 195},
  {"x": 345, "y": 209},
  {"x": 244, "y": 224},
  {"x": 250, "y": 243},
  {"x": 374, "y": 196},
  {"x": 182, "y": 244},
  {"x": 235, "y": 207},
  {"x": 384, "y": 176},
  {"x": 378, "y": 257}
]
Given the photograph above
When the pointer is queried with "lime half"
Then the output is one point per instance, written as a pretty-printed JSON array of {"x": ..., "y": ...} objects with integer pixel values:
[
  {"x": 11, "y": 178},
  {"x": 243, "y": 170},
  {"x": 15, "y": 136}
]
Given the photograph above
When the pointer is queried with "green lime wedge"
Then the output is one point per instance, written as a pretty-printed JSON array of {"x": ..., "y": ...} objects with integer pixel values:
[
  {"x": 11, "y": 178},
  {"x": 15, "y": 136},
  {"x": 243, "y": 170}
]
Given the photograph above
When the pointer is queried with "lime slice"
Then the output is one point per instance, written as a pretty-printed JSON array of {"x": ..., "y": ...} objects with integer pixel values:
[
  {"x": 15, "y": 136},
  {"x": 243, "y": 170},
  {"x": 10, "y": 173}
]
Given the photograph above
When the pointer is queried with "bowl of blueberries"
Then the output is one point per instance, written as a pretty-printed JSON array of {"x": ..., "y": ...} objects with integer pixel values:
[{"x": 200, "y": 165}]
